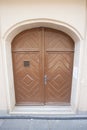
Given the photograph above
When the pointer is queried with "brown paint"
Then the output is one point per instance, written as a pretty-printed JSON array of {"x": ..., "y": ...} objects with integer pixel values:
[{"x": 49, "y": 52}]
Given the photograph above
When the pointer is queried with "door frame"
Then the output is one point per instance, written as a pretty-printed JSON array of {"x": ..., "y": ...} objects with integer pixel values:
[{"x": 7, "y": 61}]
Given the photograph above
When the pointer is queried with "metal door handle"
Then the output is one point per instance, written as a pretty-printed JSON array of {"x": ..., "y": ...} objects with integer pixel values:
[{"x": 45, "y": 79}]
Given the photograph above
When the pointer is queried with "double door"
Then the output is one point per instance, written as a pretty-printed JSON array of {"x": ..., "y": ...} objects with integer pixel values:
[{"x": 42, "y": 67}]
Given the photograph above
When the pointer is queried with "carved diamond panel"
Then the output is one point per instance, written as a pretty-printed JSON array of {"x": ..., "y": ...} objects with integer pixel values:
[{"x": 27, "y": 79}]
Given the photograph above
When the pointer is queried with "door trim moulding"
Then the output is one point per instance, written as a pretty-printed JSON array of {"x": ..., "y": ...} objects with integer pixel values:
[{"x": 8, "y": 68}]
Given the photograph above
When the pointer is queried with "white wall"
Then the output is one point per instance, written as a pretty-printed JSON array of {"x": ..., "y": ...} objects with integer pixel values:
[
  {"x": 72, "y": 12},
  {"x": 83, "y": 90},
  {"x": 3, "y": 104}
]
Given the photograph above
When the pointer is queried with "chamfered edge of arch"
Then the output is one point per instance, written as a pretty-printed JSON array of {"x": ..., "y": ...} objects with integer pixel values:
[{"x": 42, "y": 22}]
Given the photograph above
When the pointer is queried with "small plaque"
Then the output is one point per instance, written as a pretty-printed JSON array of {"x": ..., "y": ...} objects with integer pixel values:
[{"x": 26, "y": 63}]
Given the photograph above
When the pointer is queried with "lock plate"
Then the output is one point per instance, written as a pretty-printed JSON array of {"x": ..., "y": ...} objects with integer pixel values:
[{"x": 45, "y": 79}]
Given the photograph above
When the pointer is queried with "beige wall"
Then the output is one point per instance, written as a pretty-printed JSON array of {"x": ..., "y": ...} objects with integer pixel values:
[
  {"x": 71, "y": 12},
  {"x": 3, "y": 103}
]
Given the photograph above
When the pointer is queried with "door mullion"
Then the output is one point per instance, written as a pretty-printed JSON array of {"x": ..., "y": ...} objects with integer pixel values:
[
  {"x": 43, "y": 64},
  {"x": 45, "y": 69}
]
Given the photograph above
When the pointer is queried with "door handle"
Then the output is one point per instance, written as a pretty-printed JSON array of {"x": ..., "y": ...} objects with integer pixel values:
[{"x": 45, "y": 79}]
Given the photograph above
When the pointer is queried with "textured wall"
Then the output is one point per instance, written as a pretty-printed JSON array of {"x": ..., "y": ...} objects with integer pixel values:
[{"x": 72, "y": 12}]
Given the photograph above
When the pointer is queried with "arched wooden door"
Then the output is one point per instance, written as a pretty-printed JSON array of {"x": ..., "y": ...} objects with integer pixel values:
[{"x": 42, "y": 66}]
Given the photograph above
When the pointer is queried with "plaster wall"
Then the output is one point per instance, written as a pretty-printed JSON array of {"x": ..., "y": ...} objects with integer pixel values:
[{"x": 70, "y": 12}]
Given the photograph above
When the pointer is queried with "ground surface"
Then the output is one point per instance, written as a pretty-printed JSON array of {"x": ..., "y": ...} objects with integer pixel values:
[{"x": 33, "y": 124}]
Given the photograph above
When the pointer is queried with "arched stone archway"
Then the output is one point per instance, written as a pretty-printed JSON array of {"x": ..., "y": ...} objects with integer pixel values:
[{"x": 16, "y": 29}]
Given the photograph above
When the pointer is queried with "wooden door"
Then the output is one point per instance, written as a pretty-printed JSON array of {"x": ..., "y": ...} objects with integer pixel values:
[
  {"x": 42, "y": 64},
  {"x": 59, "y": 49},
  {"x": 28, "y": 67}
]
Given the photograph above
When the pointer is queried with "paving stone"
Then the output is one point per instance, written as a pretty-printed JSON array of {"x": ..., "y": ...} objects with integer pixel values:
[
  {"x": 79, "y": 124},
  {"x": 39, "y": 125},
  {"x": 1, "y": 122},
  {"x": 25, "y": 124},
  {"x": 67, "y": 124},
  {"x": 15, "y": 124}
]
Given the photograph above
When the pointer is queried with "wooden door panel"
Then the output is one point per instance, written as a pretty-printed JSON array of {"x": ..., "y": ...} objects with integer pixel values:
[
  {"x": 56, "y": 40},
  {"x": 28, "y": 80},
  {"x": 59, "y": 77},
  {"x": 28, "y": 85},
  {"x": 59, "y": 48},
  {"x": 28, "y": 40}
]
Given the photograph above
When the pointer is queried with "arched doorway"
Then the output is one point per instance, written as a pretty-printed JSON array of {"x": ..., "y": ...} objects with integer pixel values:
[{"x": 42, "y": 64}]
